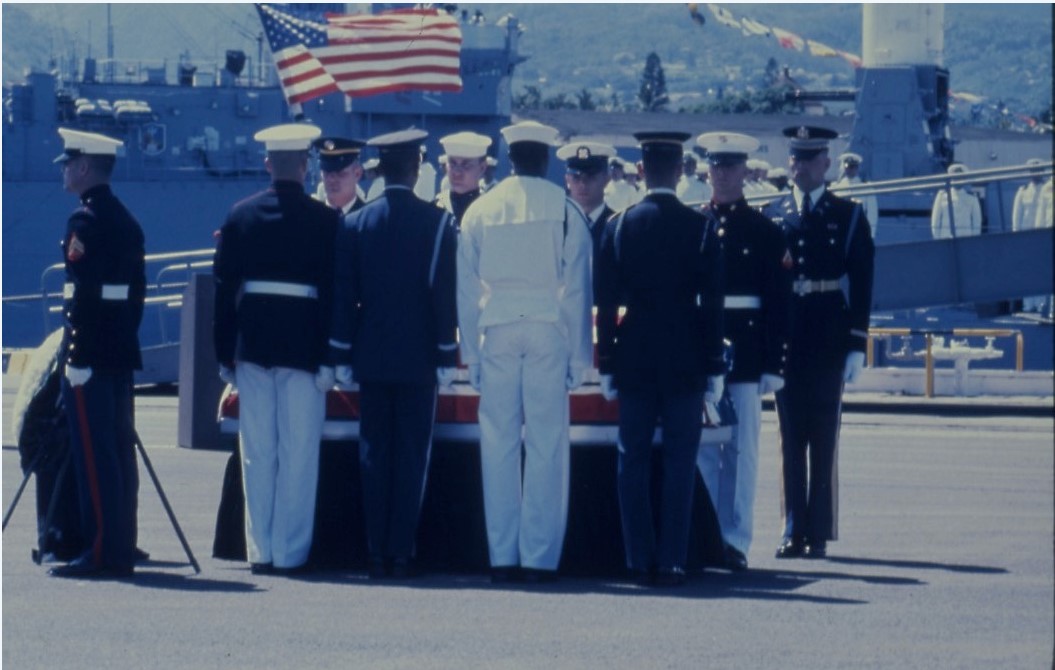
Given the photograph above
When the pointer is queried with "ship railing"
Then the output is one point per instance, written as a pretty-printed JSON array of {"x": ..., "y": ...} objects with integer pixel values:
[
  {"x": 930, "y": 182},
  {"x": 165, "y": 292},
  {"x": 959, "y": 353}
]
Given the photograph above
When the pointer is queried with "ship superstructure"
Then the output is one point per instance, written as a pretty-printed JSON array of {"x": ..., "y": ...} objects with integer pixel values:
[{"x": 189, "y": 151}]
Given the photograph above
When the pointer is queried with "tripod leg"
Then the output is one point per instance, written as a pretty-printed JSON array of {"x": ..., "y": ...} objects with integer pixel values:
[
  {"x": 165, "y": 504},
  {"x": 21, "y": 488},
  {"x": 49, "y": 517}
]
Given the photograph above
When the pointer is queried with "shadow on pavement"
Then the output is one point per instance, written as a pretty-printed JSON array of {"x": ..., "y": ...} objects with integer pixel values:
[
  {"x": 189, "y": 582},
  {"x": 756, "y": 584},
  {"x": 918, "y": 565}
]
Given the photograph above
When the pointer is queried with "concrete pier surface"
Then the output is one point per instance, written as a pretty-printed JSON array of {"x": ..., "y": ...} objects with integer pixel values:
[{"x": 945, "y": 560}]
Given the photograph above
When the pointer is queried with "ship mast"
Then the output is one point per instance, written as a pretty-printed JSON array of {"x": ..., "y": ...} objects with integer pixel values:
[{"x": 109, "y": 46}]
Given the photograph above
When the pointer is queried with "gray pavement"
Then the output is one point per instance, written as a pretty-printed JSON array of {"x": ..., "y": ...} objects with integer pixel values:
[{"x": 944, "y": 561}]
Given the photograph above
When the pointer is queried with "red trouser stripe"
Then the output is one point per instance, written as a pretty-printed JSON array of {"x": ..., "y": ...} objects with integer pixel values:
[{"x": 93, "y": 478}]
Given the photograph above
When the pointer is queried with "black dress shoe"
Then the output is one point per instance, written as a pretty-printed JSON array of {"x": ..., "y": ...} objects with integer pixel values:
[
  {"x": 293, "y": 570},
  {"x": 641, "y": 577},
  {"x": 503, "y": 574},
  {"x": 537, "y": 576},
  {"x": 791, "y": 548},
  {"x": 816, "y": 549},
  {"x": 404, "y": 568},
  {"x": 261, "y": 568},
  {"x": 735, "y": 559},
  {"x": 672, "y": 576},
  {"x": 138, "y": 555},
  {"x": 375, "y": 568}
]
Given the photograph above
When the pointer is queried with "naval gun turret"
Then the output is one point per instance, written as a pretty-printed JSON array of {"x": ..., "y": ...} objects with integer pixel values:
[{"x": 901, "y": 124}]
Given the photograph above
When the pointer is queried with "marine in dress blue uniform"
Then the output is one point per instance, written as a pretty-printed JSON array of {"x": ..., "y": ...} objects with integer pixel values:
[
  {"x": 394, "y": 328},
  {"x": 757, "y": 303},
  {"x": 833, "y": 254},
  {"x": 274, "y": 276},
  {"x": 661, "y": 262},
  {"x": 105, "y": 286},
  {"x": 466, "y": 160}
]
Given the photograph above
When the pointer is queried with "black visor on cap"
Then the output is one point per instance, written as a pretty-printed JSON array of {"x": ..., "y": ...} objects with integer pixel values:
[
  {"x": 726, "y": 158},
  {"x": 806, "y": 154}
]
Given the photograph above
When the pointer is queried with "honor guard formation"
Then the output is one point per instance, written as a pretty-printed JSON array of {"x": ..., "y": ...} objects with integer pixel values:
[{"x": 701, "y": 299}]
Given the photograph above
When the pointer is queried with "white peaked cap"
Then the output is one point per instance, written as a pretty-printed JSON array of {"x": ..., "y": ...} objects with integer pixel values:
[
  {"x": 288, "y": 136},
  {"x": 585, "y": 150},
  {"x": 78, "y": 142},
  {"x": 530, "y": 131},
  {"x": 466, "y": 145}
]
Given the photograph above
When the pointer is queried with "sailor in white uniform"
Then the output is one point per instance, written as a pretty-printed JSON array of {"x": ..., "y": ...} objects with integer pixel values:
[
  {"x": 1045, "y": 213},
  {"x": 524, "y": 304},
  {"x": 1024, "y": 217},
  {"x": 425, "y": 188},
  {"x": 966, "y": 212},
  {"x": 619, "y": 193},
  {"x": 690, "y": 190},
  {"x": 851, "y": 176}
]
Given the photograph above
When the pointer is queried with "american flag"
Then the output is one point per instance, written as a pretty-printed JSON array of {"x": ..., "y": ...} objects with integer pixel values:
[{"x": 363, "y": 54}]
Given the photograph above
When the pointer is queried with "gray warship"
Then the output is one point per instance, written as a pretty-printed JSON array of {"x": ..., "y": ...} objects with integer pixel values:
[{"x": 189, "y": 154}]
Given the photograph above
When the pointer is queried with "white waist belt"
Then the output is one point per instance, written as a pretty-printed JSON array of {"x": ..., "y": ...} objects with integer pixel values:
[
  {"x": 805, "y": 286},
  {"x": 115, "y": 291},
  {"x": 281, "y": 288},
  {"x": 742, "y": 302},
  {"x": 107, "y": 291}
]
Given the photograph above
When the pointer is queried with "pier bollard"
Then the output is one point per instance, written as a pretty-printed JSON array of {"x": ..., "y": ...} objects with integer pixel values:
[{"x": 199, "y": 381}]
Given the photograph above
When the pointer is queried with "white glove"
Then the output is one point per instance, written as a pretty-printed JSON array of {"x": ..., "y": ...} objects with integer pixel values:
[
  {"x": 474, "y": 376},
  {"x": 770, "y": 383},
  {"x": 855, "y": 362},
  {"x": 78, "y": 376},
  {"x": 325, "y": 378},
  {"x": 715, "y": 389},
  {"x": 343, "y": 374},
  {"x": 576, "y": 376},
  {"x": 445, "y": 376},
  {"x": 608, "y": 388}
]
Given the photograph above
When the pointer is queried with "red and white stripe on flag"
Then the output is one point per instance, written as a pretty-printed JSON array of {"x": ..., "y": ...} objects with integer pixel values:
[
  {"x": 411, "y": 49},
  {"x": 302, "y": 75},
  {"x": 368, "y": 54}
]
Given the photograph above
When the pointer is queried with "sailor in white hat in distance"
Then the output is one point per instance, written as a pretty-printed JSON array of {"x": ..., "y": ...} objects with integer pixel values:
[
  {"x": 1024, "y": 217},
  {"x": 850, "y": 165},
  {"x": 957, "y": 212}
]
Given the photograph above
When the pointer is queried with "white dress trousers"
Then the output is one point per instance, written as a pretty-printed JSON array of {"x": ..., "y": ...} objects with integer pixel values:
[
  {"x": 523, "y": 367},
  {"x": 730, "y": 471},
  {"x": 279, "y": 428},
  {"x": 524, "y": 313}
]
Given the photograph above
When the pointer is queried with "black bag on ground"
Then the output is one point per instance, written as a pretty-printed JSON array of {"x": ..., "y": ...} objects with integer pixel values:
[{"x": 40, "y": 422}]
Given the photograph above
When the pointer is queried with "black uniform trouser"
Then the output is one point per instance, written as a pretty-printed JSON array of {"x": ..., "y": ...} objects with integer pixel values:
[
  {"x": 102, "y": 447},
  {"x": 395, "y": 437},
  {"x": 680, "y": 413},
  {"x": 808, "y": 409}
]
